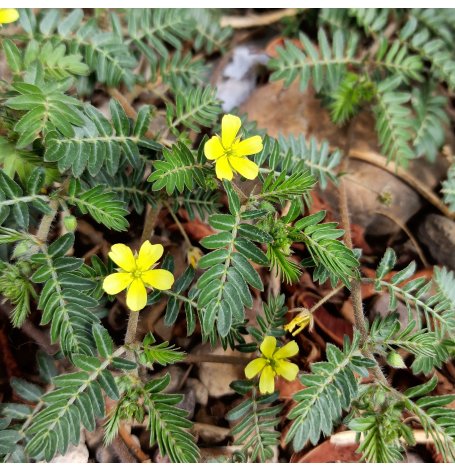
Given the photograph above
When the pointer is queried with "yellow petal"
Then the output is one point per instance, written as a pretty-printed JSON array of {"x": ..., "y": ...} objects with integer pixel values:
[
  {"x": 223, "y": 169},
  {"x": 148, "y": 255},
  {"x": 245, "y": 167},
  {"x": 286, "y": 369},
  {"x": 254, "y": 367},
  {"x": 230, "y": 126},
  {"x": 288, "y": 350},
  {"x": 268, "y": 346},
  {"x": 122, "y": 256},
  {"x": 158, "y": 279},
  {"x": 136, "y": 297},
  {"x": 115, "y": 283},
  {"x": 8, "y": 15},
  {"x": 299, "y": 322},
  {"x": 267, "y": 380},
  {"x": 213, "y": 148},
  {"x": 248, "y": 146}
]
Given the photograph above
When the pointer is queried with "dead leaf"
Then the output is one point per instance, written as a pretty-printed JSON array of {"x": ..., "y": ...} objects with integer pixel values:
[{"x": 328, "y": 453}]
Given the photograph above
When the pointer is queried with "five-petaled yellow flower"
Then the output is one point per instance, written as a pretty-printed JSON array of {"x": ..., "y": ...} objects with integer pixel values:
[
  {"x": 273, "y": 362},
  {"x": 229, "y": 152},
  {"x": 8, "y": 15},
  {"x": 300, "y": 321},
  {"x": 136, "y": 273}
]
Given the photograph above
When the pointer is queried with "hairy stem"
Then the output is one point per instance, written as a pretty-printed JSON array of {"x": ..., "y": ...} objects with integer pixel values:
[
  {"x": 359, "y": 318},
  {"x": 326, "y": 298},
  {"x": 150, "y": 221},
  {"x": 130, "y": 335},
  {"x": 46, "y": 222}
]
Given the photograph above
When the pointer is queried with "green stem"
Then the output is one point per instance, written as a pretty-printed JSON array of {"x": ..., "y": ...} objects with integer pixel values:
[{"x": 179, "y": 225}]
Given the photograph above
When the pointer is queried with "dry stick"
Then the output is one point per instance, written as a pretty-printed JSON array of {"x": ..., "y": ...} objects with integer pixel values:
[
  {"x": 218, "y": 358},
  {"x": 40, "y": 338},
  {"x": 133, "y": 447},
  {"x": 381, "y": 162},
  {"x": 346, "y": 438},
  {"x": 405, "y": 229},
  {"x": 122, "y": 451},
  {"x": 240, "y": 22},
  {"x": 359, "y": 318}
]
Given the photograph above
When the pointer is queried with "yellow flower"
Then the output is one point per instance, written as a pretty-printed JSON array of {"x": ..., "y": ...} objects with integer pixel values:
[
  {"x": 229, "y": 152},
  {"x": 273, "y": 362},
  {"x": 8, "y": 15},
  {"x": 301, "y": 321},
  {"x": 136, "y": 273}
]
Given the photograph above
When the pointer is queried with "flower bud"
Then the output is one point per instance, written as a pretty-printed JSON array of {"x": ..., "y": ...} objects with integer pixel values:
[
  {"x": 193, "y": 255},
  {"x": 395, "y": 360},
  {"x": 70, "y": 223},
  {"x": 22, "y": 249}
]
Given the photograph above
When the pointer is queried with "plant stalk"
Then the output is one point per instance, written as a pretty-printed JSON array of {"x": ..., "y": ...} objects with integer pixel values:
[
  {"x": 356, "y": 294},
  {"x": 130, "y": 335}
]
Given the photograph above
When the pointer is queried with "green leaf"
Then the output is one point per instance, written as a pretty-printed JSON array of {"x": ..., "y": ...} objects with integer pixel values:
[
  {"x": 253, "y": 233},
  {"x": 326, "y": 67},
  {"x": 26, "y": 390},
  {"x": 178, "y": 171},
  {"x": 251, "y": 251},
  {"x": 194, "y": 108},
  {"x": 103, "y": 205},
  {"x": 216, "y": 241},
  {"x": 107, "y": 382},
  {"x": 255, "y": 429},
  {"x": 13, "y": 55},
  {"x": 103, "y": 341},
  {"x": 86, "y": 363}
]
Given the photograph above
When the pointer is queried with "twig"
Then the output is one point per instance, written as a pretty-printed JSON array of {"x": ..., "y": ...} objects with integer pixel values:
[
  {"x": 40, "y": 338},
  {"x": 346, "y": 438},
  {"x": 326, "y": 298},
  {"x": 320, "y": 302},
  {"x": 122, "y": 451},
  {"x": 129, "y": 110},
  {"x": 241, "y": 22},
  {"x": 381, "y": 162},
  {"x": 405, "y": 229},
  {"x": 218, "y": 358},
  {"x": 210, "y": 429},
  {"x": 133, "y": 447}
]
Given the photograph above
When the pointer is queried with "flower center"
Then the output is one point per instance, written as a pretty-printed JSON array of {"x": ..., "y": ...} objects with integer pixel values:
[
  {"x": 271, "y": 362},
  {"x": 137, "y": 274},
  {"x": 229, "y": 153}
]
